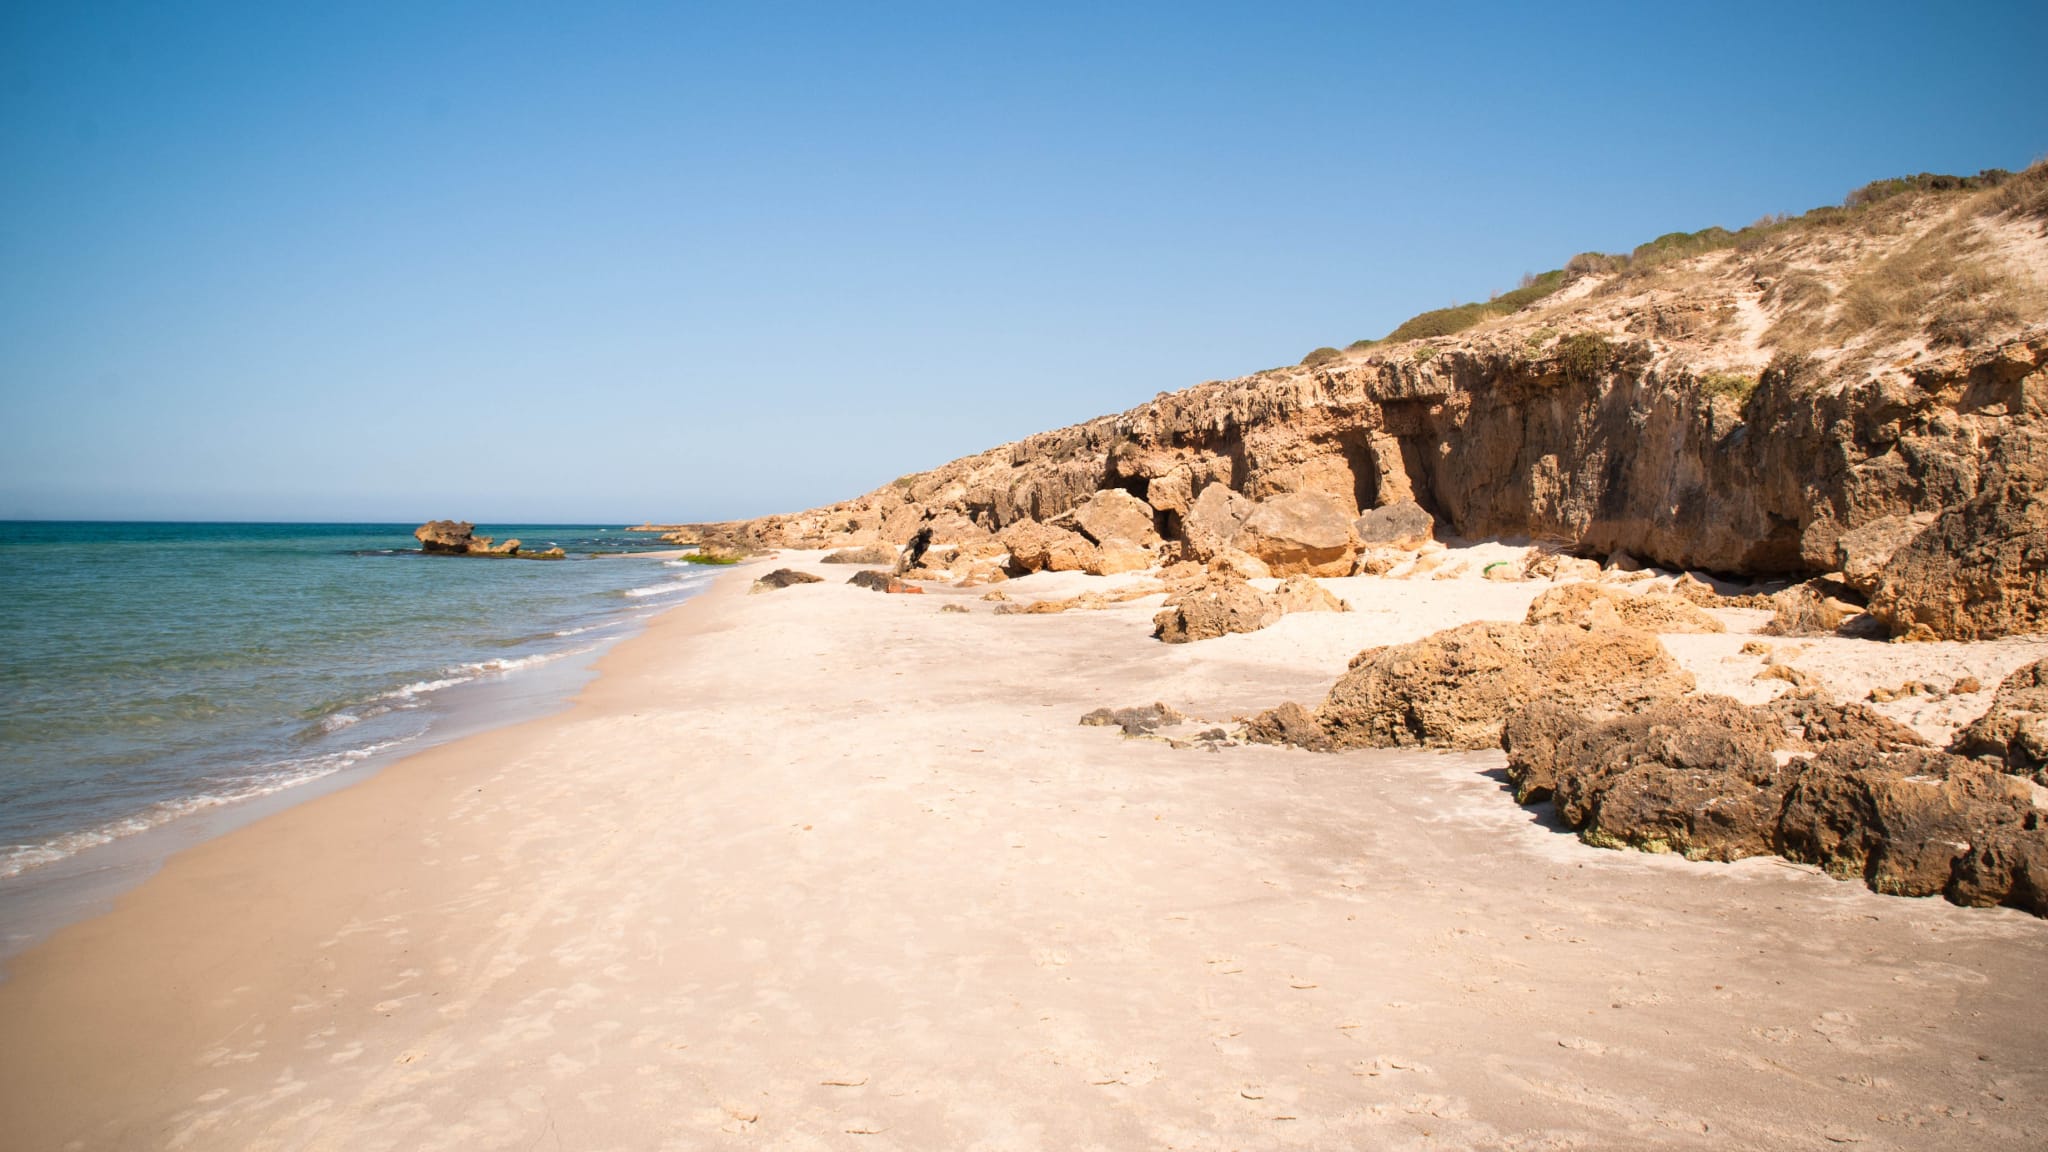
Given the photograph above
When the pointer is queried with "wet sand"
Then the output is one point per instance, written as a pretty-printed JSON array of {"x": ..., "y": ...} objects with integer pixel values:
[{"x": 822, "y": 868}]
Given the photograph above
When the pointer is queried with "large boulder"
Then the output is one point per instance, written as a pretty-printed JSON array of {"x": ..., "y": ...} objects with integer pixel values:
[
  {"x": 1815, "y": 781},
  {"x": 1213, "y": 520},
  {"x": 1455, "y": 688},
  {"x": 1036, "y": 547},
  {"x": 1696, "y": 776},
  {"x": 1592, "y": 606},
  {"x": 1900, "y": 820},
  {"x": 1114, "y": 514},
  {"x": 2014, "y": 731},
  {"x": 1303, "y": 594},
  {"x": 1214, "y": 607},
  {"x": 1403, "y": 524},
  {"x": 1300, "y": 533},
  {"x": 1979, "y": 571}
]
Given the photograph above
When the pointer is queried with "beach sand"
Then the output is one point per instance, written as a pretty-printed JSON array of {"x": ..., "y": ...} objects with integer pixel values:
[{"x": 821, "y": 868}]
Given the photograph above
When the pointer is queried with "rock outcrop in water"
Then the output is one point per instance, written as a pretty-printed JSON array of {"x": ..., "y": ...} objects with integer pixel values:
[
  {"x": 458, "y": 538},
  {"x": 1762, "y": 409}
]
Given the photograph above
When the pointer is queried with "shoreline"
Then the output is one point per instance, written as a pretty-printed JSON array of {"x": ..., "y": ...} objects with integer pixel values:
[{"x": 823, "y": 863}]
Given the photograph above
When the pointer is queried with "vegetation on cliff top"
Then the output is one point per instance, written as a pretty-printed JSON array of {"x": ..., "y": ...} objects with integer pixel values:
[{"x": 1878, "y": 301}]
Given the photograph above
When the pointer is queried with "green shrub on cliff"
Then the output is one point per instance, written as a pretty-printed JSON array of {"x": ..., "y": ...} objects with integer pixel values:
[
  {"x": 1320, "y": 357},
  {"x": 1733, "y": 385},
  {"x": 1584, "y": 355},
  {"x": 702, "y": 557},
  {"x": 1453, "y": 320}
]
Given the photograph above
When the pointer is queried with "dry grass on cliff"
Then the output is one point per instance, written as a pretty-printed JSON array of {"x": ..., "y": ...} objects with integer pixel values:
[{"x": 1942, "y": 286}]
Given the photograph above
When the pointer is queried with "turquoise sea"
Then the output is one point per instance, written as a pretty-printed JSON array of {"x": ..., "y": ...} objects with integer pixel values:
[{"x": 150, "y": 671}]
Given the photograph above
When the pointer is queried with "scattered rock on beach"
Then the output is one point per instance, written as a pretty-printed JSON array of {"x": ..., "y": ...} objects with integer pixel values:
[
  {"x": 873, "y": 554},
  {"x": 1803, "y": 611},
  {"x": 1214, "y": 607},
  {"x": 1303, "y": 594},
  {"x": 1455, "y": 688},
  {"x": 1289, "y": 724},
  {"x": 2013, "y": 732},
  {"x": 783, "y": 578},
  {"x": 876, "y": 581},
  {"x": 1835, "y": 785},
  {"x": 1135, "y": 721},
  {"x": 1592, "y": 606}
]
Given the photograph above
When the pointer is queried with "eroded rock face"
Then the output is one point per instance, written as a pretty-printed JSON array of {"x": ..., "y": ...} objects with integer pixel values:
[
  {"x": 1592, "y": 606},
  {"x": 2014, "y": 731},
  {"x": 1454, "y": 689},
  {"x": 1610, "y": 450},
  {"x": 1036, "y": 547},
  {"x": 1300, "y": 533},
  {"x": 1979, "y": 571},
  {"x": 1214, "y": 607},
  {"x": 1114, "y": 514}
]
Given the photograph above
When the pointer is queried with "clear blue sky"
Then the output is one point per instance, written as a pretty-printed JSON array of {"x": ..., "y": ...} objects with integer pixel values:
[{"x": 612, "y": 261}]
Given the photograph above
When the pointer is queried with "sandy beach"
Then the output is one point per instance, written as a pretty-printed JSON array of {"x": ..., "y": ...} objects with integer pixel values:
[{"x": 822, "y": 868}]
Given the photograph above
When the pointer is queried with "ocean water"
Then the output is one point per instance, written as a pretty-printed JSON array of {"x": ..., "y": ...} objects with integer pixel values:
[{"x": 150, "y": 672}]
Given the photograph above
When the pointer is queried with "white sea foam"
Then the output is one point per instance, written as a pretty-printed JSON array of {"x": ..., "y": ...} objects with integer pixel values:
[
  {"x": 18, "y": 858},
  {"x": 668, "y": 589}
]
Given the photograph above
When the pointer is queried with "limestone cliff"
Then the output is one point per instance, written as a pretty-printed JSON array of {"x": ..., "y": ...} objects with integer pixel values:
[{"x": 1803, "y": 397}]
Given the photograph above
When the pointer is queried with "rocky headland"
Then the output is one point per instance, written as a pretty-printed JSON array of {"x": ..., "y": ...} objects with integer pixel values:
[{"x": 1839, "y": 419}]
